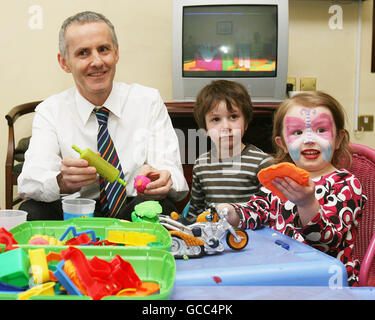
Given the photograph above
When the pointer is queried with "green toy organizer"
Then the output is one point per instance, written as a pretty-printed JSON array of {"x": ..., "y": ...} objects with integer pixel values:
[
  {"x": 23, "y": 232},
  {"x": 150, "y": 264}
]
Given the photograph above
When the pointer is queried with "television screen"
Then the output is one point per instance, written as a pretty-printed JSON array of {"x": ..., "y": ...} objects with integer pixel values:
[{"x": 230, "y": 41}]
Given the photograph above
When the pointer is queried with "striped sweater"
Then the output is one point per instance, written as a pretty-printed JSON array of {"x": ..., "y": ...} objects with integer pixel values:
[{"x": 225, "y": 180}]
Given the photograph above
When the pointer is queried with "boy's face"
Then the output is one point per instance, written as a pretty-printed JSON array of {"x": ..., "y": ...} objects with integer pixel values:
[
  {"x": 226, "y": 129},
  {"x": 310, "y": 137}
]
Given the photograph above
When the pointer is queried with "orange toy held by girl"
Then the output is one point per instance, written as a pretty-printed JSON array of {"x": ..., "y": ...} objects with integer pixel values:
[{"x": 281, "y": 170}]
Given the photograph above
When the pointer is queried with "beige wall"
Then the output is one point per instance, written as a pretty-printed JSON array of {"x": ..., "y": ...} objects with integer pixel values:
[{"x": 29, "y": 56}]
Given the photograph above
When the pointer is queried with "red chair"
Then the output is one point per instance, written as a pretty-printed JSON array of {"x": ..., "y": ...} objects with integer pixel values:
[{"x": 363, "y": 167}]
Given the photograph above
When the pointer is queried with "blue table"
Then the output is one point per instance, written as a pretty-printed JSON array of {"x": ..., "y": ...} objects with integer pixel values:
[
  {"x": 269, "y": 259},
  {"x": 215, "y": 293}
]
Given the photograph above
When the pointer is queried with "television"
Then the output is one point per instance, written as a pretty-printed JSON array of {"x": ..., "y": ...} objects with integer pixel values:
[{"x": 240, "y": 40}]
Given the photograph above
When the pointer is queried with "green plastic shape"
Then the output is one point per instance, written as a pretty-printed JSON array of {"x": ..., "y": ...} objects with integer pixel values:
[
  {"x": 14, "y": 268},
  {"x": 147, "y": 211},
  {"x": 104, "y": 168}
]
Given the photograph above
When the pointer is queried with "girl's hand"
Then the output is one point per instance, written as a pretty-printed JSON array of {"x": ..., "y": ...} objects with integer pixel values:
[
  {"x": 302, "y": 196},
  {"x": 232, "y": 217}
]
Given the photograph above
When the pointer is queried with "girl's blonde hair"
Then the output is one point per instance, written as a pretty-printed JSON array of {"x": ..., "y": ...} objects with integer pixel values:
[{"x": 311, "y": 99}]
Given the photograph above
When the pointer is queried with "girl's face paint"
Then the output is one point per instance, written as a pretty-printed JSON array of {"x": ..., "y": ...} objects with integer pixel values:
[{"x": 310, "y": 135}]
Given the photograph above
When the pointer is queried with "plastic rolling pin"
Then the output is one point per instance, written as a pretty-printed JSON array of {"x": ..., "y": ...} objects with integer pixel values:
[{"x": 104, "y": 168}]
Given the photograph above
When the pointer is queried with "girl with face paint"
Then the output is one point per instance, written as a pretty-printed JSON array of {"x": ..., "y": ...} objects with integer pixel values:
[{"x": 309, "y": 132}]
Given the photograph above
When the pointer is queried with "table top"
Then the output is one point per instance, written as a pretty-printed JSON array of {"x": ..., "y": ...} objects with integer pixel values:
[
  {"x": 269, "y": 259},
  {"x": 271, "y": 293}
]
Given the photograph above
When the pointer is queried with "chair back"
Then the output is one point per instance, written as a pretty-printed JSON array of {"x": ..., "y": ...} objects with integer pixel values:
[{"x": 363, "y": 167}]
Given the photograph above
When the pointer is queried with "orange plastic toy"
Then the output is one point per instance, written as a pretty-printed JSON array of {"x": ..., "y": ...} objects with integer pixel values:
[{"x": 281, "y": 170}]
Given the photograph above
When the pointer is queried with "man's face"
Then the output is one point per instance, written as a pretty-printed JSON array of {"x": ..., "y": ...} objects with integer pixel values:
[{"x": 91, "y": 58}]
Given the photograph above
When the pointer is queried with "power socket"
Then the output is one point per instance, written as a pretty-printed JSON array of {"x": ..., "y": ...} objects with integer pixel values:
[
  {"x": 366, "y": 123},
  {"x": 292, "y": 81}
]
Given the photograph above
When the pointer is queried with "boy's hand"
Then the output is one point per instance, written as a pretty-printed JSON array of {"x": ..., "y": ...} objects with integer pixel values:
[
  {"x": 161, "y": 183},
  {"x": 75, "y": 173}
]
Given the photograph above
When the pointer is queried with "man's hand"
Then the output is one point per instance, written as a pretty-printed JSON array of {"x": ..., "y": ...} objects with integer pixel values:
[
  {"x": 161, "y": 183},
  {"x": 75, "y": 173}
]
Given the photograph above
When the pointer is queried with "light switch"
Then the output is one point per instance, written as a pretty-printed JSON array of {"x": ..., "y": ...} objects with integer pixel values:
[
  {"x": 366, "y": 123},
  {"x": 308, "y": 84}
]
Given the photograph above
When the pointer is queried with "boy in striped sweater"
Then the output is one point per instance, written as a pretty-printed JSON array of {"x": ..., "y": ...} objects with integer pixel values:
[{"x": 228, "y": 172}]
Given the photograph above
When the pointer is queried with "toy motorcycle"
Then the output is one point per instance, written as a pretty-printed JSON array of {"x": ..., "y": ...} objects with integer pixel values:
[{"x": 202, "y": 238}]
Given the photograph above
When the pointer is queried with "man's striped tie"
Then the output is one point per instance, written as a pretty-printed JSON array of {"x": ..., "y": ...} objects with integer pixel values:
[{"x": 112, "y": 195}]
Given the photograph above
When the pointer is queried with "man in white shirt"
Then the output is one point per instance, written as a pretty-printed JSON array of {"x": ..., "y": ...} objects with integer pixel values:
[{"x": 138, "y": 124}]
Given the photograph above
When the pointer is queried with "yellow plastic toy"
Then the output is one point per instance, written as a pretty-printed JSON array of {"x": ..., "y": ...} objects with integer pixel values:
[
  {"x": 104, "y": 168},
  {"x": 45, "y": 289},
  {"x": 39, "y": 266},
  {"x": 130, "y": 238}
]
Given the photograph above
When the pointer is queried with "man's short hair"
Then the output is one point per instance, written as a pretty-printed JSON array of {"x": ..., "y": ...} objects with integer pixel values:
[{"x": 81, "y": 18}]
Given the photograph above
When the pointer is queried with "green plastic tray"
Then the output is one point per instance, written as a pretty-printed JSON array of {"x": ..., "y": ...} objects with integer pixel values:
[
  {"x": 150, "y": 264},
  {"x": 23, "y": 232}
]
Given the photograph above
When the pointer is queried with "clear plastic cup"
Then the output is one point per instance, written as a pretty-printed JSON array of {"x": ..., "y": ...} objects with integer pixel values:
[
  {"x": 78, "y": 208},
  {"x": 12, "y": 218}
]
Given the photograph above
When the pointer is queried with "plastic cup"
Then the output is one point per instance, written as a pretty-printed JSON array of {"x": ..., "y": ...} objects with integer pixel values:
[
  {"x": 12, "y": 218},
  {"x": 78, "y": 208}
]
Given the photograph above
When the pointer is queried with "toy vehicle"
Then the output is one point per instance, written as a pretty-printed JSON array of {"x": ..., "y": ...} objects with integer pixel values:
[{"x": 201, "y": 238}]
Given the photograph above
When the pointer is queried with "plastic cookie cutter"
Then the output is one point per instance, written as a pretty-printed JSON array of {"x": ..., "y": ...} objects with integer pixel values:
[
  {"x": 91, "y": 276},
  {"x": 40, "y": 239},
  {"x": 7, "y": 238},
  {"x": 83, "y": 240},
  {"x": 130, "y": 238},
  {"x": 45, "y": 289},
  {"x": 39, "y": 267}
]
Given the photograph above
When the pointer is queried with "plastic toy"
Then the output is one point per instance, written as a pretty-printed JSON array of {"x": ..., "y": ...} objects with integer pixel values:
[
  {"x": 281, "y": 170},
  {"x": 207, "y": 216},
  {"x": 39, "y": 267},
  {"x": 201, "y": 238},
  {"x": 80, "y": 238},
  {"x": 7, "y": 238},
  {"x": 145, "y": 289},
  {"x": 40, "y": 239},
  {"x": 147, "y": 211},
  {"x": 130, "y": 238},
  {"x": 45, "y": 289},
  {"x": 8, "y": 287},
  {"x": 99, "y": 277},
  {"x": 14, "y": 268},
  {"x": 140, "y": 183},
  {"x": 104, "y": 168}
]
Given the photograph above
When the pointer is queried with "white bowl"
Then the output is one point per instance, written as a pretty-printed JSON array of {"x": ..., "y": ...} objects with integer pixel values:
[{"x": 12, "y": 218}]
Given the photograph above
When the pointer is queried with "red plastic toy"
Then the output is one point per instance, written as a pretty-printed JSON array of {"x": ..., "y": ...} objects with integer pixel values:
[
  {"x": 7, "y": 239},
  {"x": 99, "y": 277}
]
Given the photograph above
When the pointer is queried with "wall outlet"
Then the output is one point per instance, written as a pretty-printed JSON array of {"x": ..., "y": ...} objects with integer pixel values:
[
  {"x": 366, "y": 123},
  {"x": 307, "y": 84},
  {"x": 293, "y": 81}
]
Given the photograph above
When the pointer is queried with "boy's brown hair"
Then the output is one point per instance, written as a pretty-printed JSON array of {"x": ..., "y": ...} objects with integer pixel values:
[
  {"x": 231, "y": 92},
  {"x": 311, "y": 99}
]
